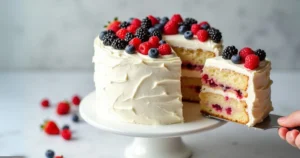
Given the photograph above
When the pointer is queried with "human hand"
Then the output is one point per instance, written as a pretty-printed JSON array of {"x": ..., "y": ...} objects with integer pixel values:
[{"x": 293, "y": 136}]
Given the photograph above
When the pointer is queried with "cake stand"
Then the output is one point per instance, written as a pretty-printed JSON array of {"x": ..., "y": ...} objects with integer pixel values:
[{"x": 161, "y": 141}]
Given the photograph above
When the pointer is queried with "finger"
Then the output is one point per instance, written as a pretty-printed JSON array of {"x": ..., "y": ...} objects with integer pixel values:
[
  {"x": 282, "y": 132},
  {"x": 297, "y": 141},
  {"x": 291, "y": 137},
  {"x": 292, "y": 120}
]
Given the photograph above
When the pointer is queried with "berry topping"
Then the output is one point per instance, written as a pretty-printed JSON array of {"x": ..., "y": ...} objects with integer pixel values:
[
  {"x": 135, "y": 42},
  {"x": 75, "y": 118},
  {"x": 66, "y": 127},
  {"x": 132, "y": 28},
  {"x": 177, "y": 18},
  {"x": 202, "y": 35},
  {"x": 251, "y": 61},
  {"x": 151, "y": 29},
  {"x": 76, "y": 100},
  {"x": 159, "y": 27},
  {"x": 162, "y": 42},
  {"x": 182, "y": 29},
  {"x": 154, "y": 41},
  {"x": 156, "y": 33},
  {"x": 144, "y": 48},
  {"x": 164, "y": 49},
  {"x": 109, "y": 38},
  {"x": 229, "y": 51},
  {"x": 215, "y": 34},
  {"x": 153, "y": 20},
  {"x": 153, "y": 53},
  {"x": 261, "y": 54},
  {"x": 195, "y": 28},
  {"x": 114, "y": 28},
  {"x": 245, "y": 52},
  {"x": 236, "y": 59},
  {"x": 188, "y": 35},
  {"x": 45, "y": 103},
  {"x": 146, "y": 23},
  {"x": 63, "y": 108},
  {"x": 122, "y": 33},
  {"x": 204, "y": 25},
  {"x": 130, "y": 49},
  {"x": 164, "y": 20},
  {"x": 189, "y": 22},
  {"x": 50, "y": 153},
  {"x": 66, "y": 134},
  {"x": 119, "y": 44},
  {"x": 171, "y": 28},
  {"x": 137, "y": 22},
  {"x": 130, "y": 20},
  {"x": 124, "y": 24},
  {"x": 103, "y": 33},
  {"x": 50, "y": 128},
  {"x": 114, "y": 25},
  {"x": 142, "y": 34},
  {"x": 129, "y": 36}
]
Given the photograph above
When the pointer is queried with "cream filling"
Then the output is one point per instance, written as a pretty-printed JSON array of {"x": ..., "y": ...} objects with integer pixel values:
[{"x": 191, "y": 73}]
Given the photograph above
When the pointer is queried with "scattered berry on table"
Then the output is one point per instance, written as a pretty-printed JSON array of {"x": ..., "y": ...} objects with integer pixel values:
[
  {"x": 76, "y": 100},
  {"x": 159, "y": 27},
  {"x": 182, "y": 29},
  {"x": 136, "y": 22},
  {"x": 204, "y": 25},
  {"x": 245, "y": 52},
  {"x": 144, "y": 48},
  {"x": 214, "y": 34},
  {"x": 129, "y": 36},
  {"x": 45, "y": 103},
  {"x": 109, "y": 38},
  {"x": 63, "y": 108},
  {"x": 153, "y": 53},
  {"x": 142, "y": 33},
  {"x": 154, "y": 41},
  {"x": 135, "y": 42},
  {"x": 130, "y": 49},
  {"x": 195, "y": 28},
  {"x": 50, "y": 153},
  {"x": 146, "y": 23},
  {"x": 124, "y": 24},
  {"x": 156, "y": 33},
  {"x": 122, "y": 33},
  {"x": 171, "y": 28},
  {"x": 50, "y": 127},
  {"x": 66, "y": 134},
  {"x": 66, "y": 127},
  {"x": 153, "y": 20},
  {"x": 164, "y": 20},
  {"x": 164, "y": 49},
  {"x": 261, "y": 54},
  {"x": 162, "y": 42},
  {"x": 251, "y": 61},
  {"x": 236, "y": 59},
  {"x": 229, "y": 51},
  {"x": 60, "y": 156},
  {"x": 119, "y": 44},
  {"x": 188, "y": 35},
  {"x": 151, "y": 29},
  {"x": 132, "y": 28},
  {"x": 177, "y": 18},
  {"x": 202, "y": 35},
  {"x": 75, "y": 118}
]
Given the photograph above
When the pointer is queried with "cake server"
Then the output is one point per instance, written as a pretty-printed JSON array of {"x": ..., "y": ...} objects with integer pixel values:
[{"x": 269, "y": 122}]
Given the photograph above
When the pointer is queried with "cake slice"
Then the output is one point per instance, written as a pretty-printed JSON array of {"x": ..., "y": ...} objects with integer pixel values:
[{"x": 235, "y": 90}]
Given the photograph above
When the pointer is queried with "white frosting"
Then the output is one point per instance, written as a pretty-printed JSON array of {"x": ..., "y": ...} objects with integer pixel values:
[
  {"x": 259, "y": 87},
  {"x": 135, "y": 88},
  {"x": 191, "y": 73}
]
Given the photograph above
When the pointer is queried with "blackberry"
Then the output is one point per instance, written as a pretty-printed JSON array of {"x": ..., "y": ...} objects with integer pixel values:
[
  {"x": 190, "y": 21},
  {"x": 146, "y": 23},
  {"x": 142, "y": 34},
  {"x": 109, "y": 38},
  {"x": 103, "y": 33},
  {"x": 129, "y": 36},
  {"x": 261, "y": 54},
  {"x": 124, "y": 24},
  {"x": 156, "y": 33},
  {"x": 229, "y": 52},
  {"x": 214, "y": 34},
  {"x": 119, "y": 44}
]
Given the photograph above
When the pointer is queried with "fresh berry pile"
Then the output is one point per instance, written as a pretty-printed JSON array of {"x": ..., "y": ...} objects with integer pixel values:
[
  {"x": 136, "y": 34},
  {"x": 246, "y": 55}
]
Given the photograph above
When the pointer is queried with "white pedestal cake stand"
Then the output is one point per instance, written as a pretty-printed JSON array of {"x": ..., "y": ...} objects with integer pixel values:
[{"x": 162, "y": 141}]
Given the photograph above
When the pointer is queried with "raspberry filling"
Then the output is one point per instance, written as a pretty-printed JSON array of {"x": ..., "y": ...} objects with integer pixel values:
[
  {"x": 228, "y": 111},
  {"x": 190, "y": 66},
  {"x": 212, "y": 83},
  {"x": 219, "y": 108}
]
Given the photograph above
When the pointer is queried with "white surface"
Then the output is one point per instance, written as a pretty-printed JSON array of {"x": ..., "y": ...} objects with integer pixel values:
[{"x": 20, "y": 116}]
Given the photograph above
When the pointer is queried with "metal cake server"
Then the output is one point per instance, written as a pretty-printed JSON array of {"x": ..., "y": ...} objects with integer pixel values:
[{"x": 269, "y": 122}]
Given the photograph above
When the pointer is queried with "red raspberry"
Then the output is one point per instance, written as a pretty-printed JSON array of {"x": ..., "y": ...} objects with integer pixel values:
[
  {"x": 66, "y": 134},
  {"x": 135, "y": 42},
  {"x": 154, "y": 41},
  {"x": 177, "y": 18},
  {"x": 132, "y": 28},
  {"x": 144, "y": 48},
  {"x": 251, "y": 61},
  {"x": 153, "y": 20},
  {"x": 164, "y": 49},
  {"x": 202, "y": 35},
  {"x": 195, "y": 28},
  {"x": 50, "y": 128},
  {"x": 137, "y": 22},
  {"x": 245, "y": 52},
  {"x": 45, "y": 103},
  {"x": 76, "y": 100},
  {"x": 63, "y": 108},
  {"x": 203, "y": 22},
  {"x": 122, "y": 33},
  {"x": 171, "y": 28}
]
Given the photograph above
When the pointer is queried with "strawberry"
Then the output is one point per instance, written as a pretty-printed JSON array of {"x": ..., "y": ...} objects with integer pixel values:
[
  {"x": 113, "y": 23},
  {"x": 202, "y": 35},
  {"x": 137, "y": 22},
  {"x": 45, "y": 103},
  {"x": 66, "y": 134},
  {"x": 164, "y": 49},
  {"x": 76, "y": 100},
  {"x": 153, "y": 20},
  {"x": 154, "y": 41},
  {"x": 121, "y": 33},
  {"x": 144, "y": 48},
  {"x": 251, "y": 61},
  {"x": 171, "y": 28},
  {"x": 245, "y": 52},
  {"x": 195, "y": 28},
  {"x": 135, "y": 42},
  {"x": 50, "y": 128},
  {"x": 63, "y": 108},
  {"x": 176, "y": 18},
  {"x": 114, "y": 28},
  {"x": 132, "y": 28}
]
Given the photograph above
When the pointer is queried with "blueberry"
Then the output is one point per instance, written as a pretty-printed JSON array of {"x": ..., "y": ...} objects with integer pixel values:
[
  {"x": 75, "y": 118},
  {"x": 162, "y": 42},
  {"x": 130, "y": 49},
  {"x": 66, "y": 127},
  {"x": 204, "y": 26},
  {"x": 164, "y": 20},
  {"x": 236, "y": 59},
  {"x": 50, "y": 153},
  {"x": 153, "y": 53},
  {"x": 151, "y": 30},
  {"x": 182, "y": 29},
  {"x": 102, "y": 34},
  {"x": 188, "y": 35},
  {"x": 159, "y": 27}
]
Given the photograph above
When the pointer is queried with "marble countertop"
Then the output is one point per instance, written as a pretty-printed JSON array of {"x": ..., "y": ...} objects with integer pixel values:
[{"x": 21, "y": 115}]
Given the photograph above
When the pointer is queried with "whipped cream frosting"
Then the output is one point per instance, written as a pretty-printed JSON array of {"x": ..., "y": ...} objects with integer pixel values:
[
  {"x": 136, "y": 88},
  {"x": 259, "y": 103}
]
